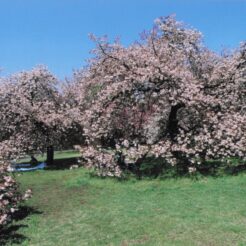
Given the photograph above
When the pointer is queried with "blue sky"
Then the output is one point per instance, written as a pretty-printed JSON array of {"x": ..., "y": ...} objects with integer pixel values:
[{"x": 55, "y": 32}]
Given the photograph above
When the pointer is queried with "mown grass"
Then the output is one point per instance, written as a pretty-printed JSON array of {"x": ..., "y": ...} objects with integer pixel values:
[{"x": 73, "y": 208}]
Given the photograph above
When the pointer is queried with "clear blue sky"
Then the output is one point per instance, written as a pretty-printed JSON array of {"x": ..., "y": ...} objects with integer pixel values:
[{"x": 55, "y": 32}]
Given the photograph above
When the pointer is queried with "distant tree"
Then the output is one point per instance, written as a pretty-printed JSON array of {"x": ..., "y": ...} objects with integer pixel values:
[
  {"x": 73, "y": 132},
  {"x": 31, "y": 113}
]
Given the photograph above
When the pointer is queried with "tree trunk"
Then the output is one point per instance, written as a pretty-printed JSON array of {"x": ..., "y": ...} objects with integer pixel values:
[
  {"x": 50, "y": 155},
  {"x": 172, "y": 126}
]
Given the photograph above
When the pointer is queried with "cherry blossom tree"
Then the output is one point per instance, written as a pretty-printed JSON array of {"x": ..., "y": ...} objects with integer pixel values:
[
  {"x": 164, "y": 96},
  {"x": 31, "y": 113},
  {"x": 10, "y": 195}
]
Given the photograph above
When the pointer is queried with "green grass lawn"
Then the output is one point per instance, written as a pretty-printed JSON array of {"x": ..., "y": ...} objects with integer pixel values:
[
  {"x": 58, "y": 155},
  {"x": 72, "y": 208}
]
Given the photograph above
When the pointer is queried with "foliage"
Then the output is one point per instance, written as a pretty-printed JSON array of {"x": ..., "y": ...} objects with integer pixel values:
[
  {"x": 10, "y": 197},
  {"x": 26, "y": 103},
  {"x": 33, "y": 113},
  {"x": 166, "y": 96}
]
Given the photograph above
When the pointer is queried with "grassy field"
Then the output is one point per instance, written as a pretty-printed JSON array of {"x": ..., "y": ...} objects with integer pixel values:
[{"x": 69, "y": 207}]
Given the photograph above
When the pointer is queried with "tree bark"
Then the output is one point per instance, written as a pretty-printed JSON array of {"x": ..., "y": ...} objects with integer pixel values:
[
  {"x": 50, "y": 155},
  {"x": 172, "y": 126}
]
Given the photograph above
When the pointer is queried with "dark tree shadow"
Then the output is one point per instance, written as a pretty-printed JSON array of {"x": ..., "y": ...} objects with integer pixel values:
[
  {"x": 59, "y": 164},
  {"x": 218, "y": 168},
  {"x": 159, "y": 168},
  {"x": 9, "y": 234},
  {"x": 62, "y": 164}
]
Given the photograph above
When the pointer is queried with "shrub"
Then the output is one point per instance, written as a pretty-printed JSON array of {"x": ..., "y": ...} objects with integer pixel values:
[{"x": 10, "y": 196}]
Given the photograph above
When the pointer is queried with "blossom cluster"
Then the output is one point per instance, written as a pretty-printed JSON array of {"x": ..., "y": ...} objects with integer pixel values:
[{"x": 10, "y": 196}]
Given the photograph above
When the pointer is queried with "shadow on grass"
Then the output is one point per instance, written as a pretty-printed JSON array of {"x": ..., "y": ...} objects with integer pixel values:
[
  {"x": 9, "y": 235},
  {"x": 218, "y": 168},
  {"x": 62, "y": 164},
  {"x": 159, "y": 168}
]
